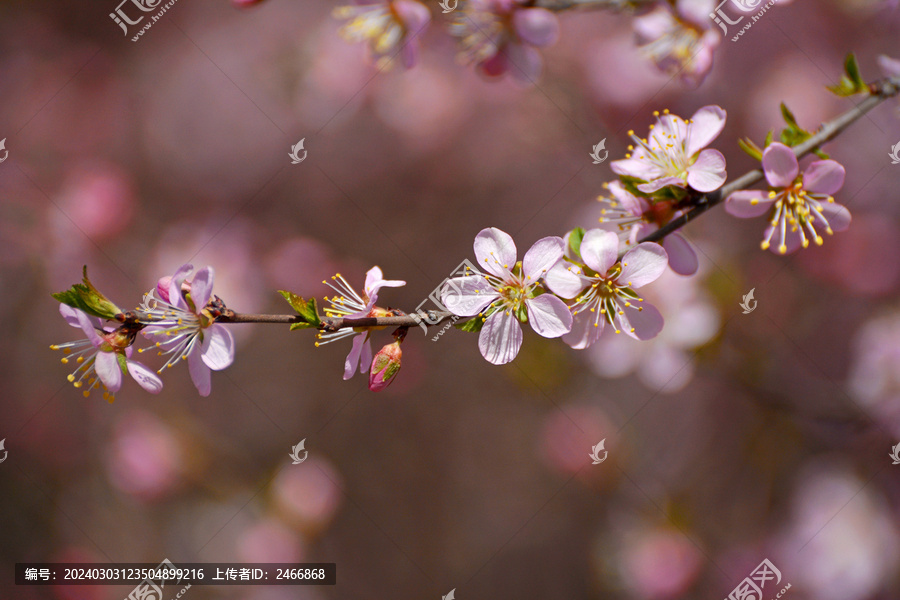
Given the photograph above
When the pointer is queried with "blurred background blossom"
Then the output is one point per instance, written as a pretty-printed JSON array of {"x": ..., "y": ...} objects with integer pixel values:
[{"x": 731, "y": 437}]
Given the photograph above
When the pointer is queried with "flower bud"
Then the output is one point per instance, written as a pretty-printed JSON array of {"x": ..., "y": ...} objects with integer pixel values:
[{"x": 385, "y": 366}]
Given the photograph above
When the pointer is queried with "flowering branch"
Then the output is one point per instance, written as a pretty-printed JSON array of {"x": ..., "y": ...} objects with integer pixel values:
[
  {"x": 573, "y": 287},
  {"x": 429, "y": 318},
  {"x": 879, "y": 92}
]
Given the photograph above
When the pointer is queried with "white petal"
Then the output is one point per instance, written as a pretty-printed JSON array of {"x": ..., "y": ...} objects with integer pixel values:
[
  {"x": 549, "y": 316},
  {"x": 495, "y": 251},
  {"x": 217, "y": 347},
  {"x": 467, "y": 296},
  {"x": 500, "y": 338},
  {"x": 541, "y": 256}
]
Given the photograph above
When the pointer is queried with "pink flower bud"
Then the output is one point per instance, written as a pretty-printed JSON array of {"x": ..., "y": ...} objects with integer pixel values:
[
  {"x": 385, "y": 367},
  {"x": 162, "y": 287}
]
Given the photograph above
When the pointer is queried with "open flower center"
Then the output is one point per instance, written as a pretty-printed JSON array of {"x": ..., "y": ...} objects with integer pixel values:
[{"x": 797, "y": 211}]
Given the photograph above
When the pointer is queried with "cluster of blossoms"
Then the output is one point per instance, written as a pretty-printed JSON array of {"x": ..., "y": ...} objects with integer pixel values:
[
  {"x": 503, "y": 36},
  {"x": 573, "y": 287},
  {"x": 179, "y": 316}
]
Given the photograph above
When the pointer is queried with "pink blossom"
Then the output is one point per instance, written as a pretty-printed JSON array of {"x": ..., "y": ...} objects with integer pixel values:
[
  {"x": 679, "y": 40},
  {"x": 385, "y": 366},
  {"x": 674, "y": 154},
  {"x": 603, "y": 287},
  {"x": 387, "y": 26},
  {"x": 352, "y": 305},
  {"x": 796, "y": 203},
  {"x": 635, "y": 217},
  {"x": 180, "y": 322},
  {"x": 508, "y": 293},
  {"x": 502, "y": 36},
  {"x": 889, "y": 66},
  {"x": 103, "y": 356}
]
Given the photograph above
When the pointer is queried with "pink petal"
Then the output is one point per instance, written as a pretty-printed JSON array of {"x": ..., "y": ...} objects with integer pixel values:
[
  {"x": 375, "y": 281},
  {"x": 647, "y": 323},
  {"x": 352, "y": 361},
  {"x": 87, "y": 326},
  {"x": 545, "y": 253},
  {"x": 837, "y": 214},
  {"x": 669, "y": 129},
  {"x": 365, "y": 356},
  {"x": 500, "y": 338},
  {"x": 200, "y": 373},
  {"x": 741, "y": 204},
  {"x": 654, "y": 24},
  {"x": 467, "y": 296},
  {"x": 71, "y": 316},
  {"x": 889, "y": 66},
  {"x": 415, "y": 15},
  {"x": 201, "y": 287},
  {"x": 658, "y": 184},
  {"x": 549, "y": 316},
  {"x": 643, "y": 264},
  {"x": 823, "y": 177},
  {"x": 107, "y": 367},
  {"x": 562, "y": 281},
  {"x": 706, "y": 125},
  {"x": 145, "y": 377},
  {"x": 708, "y": 172},
  {"x": 682, "y": 258},
  {"x": 217, "y": 348},
  {"x": 600, "y": 250},
  {"x": 526, "y": 63},
  {"x": 175, "y": 283},
  {"x": 632, "y": 204},
  {"x": 639, "y": 169},
  {"x": 792, "y": 240},
  {"x": 495, "y": 252},
  {"x": 780, "y": 165},
  {"x": 536, "y": 26},
  {"x": 587, "y": 327}
]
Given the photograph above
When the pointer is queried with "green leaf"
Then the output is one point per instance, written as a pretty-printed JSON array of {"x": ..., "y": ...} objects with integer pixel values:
[
  {"x": 85, "y": 297},
  {"x": 852, "y": 69},
  {"x": 818, "y": 152},
  {"x": 307, "y": 309},
  {"x": 768, "y": 139},
  {"x": 851, "y": 81},
  {"x": 789, "y": 117},
  {"x": 123, "y": 362},
  {"x": 575, "y": 237},
  {"x": 748, "y": 146},
  {"x": 473, "y": 325}
]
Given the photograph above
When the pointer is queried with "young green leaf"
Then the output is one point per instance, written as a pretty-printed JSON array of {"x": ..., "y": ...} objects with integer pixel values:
[
  {"x": 307, "y": 309},
  {"x": 750, "y": 147},
  {"x": 575, "y": 237},
  {"x": 474, "y": 325},
  {"x": 85, "y": 297}
]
